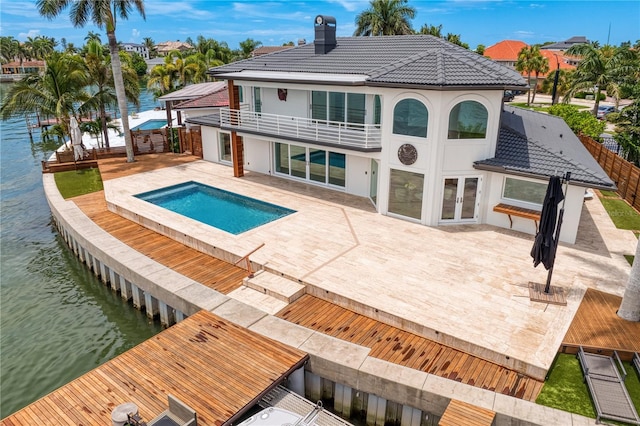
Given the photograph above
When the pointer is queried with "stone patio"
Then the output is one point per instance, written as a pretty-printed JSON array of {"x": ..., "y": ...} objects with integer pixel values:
[{"x": 464, "y": 285}]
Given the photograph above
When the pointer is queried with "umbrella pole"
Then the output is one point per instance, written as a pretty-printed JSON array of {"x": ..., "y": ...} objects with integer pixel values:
[{"x": 566, "y": 178}]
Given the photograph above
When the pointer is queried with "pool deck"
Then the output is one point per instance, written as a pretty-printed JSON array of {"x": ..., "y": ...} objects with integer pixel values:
[{"x": 465, "y": 286}]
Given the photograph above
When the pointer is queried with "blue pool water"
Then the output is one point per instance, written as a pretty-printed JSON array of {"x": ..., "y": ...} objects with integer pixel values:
[
  {"x": 150, "y": 125},
  {"x": 221, "y": 209}
]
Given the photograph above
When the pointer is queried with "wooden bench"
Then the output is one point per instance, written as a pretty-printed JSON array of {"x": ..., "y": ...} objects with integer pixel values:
[{"x": 519, "y": 212}]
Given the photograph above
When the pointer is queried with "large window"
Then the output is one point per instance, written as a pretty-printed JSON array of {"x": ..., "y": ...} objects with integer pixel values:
[
  {"x": 524, "y": 190},
  {"x": 410, "y": 117},
  {"x": 311, "y": 164},
  {"x": 468, "y": 120},
  {"x": 338, "y": 106},
  {"x": 405, "y": 193},
  {"x": 224, "y": 147}
]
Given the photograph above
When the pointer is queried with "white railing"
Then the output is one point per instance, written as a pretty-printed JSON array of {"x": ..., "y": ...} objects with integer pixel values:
[{"x": 364, "y": 136}]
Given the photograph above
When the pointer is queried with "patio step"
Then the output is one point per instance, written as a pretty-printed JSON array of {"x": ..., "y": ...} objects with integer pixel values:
[
  {"x": 264, "y": 302},
  {"x": 276, "y": 286}
]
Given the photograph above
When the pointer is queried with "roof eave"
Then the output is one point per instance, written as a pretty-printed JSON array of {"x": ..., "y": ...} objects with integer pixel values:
[{"x": 506, "y": 171}]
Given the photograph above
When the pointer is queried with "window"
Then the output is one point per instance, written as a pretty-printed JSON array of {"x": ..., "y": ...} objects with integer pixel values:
[
  {"x": 405, "y": 193},
  {"x": 224, "y": 140},
  {"x": 338, "y": 106},
  {"x": 524, "y": 190},
  {"x": 319, "y": 105},
  {"x": 240, "y": 95},
  {"x": 311, "y": 164},
  {"x": 468, "y": 120},
  {"x": 377, "y": 109},
  {"x": 410, "y": 117}
]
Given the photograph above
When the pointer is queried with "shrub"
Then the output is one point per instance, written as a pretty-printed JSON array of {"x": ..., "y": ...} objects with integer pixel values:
[{"x": 579, "y": 121}]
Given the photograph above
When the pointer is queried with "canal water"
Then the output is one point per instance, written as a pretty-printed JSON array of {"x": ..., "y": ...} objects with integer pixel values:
[{"x": 57, "y": 320}]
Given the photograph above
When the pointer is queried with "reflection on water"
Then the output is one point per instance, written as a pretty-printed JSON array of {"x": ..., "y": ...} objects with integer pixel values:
[{"x": 57, "y": 320}]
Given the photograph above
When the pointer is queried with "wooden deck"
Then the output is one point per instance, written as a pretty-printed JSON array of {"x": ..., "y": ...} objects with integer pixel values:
[
  {"x": 597, "y": 326},
  {"x": 404, "y": 348},
  {"x": 207, "y": 270},
  {"x": 217, "y": 368},
  {"x": 461, "y": 413}
]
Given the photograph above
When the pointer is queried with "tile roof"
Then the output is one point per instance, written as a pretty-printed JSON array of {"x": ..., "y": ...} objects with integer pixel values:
[
  {"x": 405, "y": 61},
  {"x": 564, "y": 45},
  {"x": 542, "y": 145},
  {"x": 212, "y": 100},
  {"x": 553, "y": 61},
  {"x": 193, "y": 91},
  {"x": 265, "y": 50},
  {"x": 505, "y": 50}
]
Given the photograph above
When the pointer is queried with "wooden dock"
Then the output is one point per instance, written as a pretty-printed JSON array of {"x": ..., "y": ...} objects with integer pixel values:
[
  {"x": 408, "y": 349},
  {"x": 217, "y": 368}
]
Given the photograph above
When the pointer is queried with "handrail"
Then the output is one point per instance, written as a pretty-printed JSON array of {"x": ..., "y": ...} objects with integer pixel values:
[
  {"x": 246, "y": 258},
  {"x": 359, "y": 135}
]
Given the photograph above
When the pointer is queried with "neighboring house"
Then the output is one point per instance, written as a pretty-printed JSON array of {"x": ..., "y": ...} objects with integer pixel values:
[
  {"x": 414, "y": 123},
  {"x": 164, "y": 48},
  {"x": 564, "y": 45},
  {"x": 26, "y": 67},
  {"x": 191, "y": 92},
  {"x": 140, "y": 49},
  {"x": 265, "y": 50}
]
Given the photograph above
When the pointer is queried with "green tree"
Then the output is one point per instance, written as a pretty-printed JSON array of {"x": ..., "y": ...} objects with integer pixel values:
[
  {"x": 9, "y": 48},
  {"x": 92, "y": 36},
  {"x": 385, "y": 17},
  {"x": 564, "y": 83},
  {"x": 480, "y": 49},
  {"x": 151, "y": 46},
  {"x": 579, "y": 121},
  {"x": 528, "y": 60},
  {"x": 601, "y": 68},
  {"x": 628, "y": 131},
  {"x": 247, "y": 47},
  {"x": 57, "y": 92},
  {"x": 539, "y": 65},
  {"x": 103, "y": 14},
  {"x": 431, "y": 30}
]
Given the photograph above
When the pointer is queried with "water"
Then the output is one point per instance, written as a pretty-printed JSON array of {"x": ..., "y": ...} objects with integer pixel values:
[
  {"x": 150, "y": 125},
  {"x": 224, "y": 210},
  {"x": 57, "y": 320}
]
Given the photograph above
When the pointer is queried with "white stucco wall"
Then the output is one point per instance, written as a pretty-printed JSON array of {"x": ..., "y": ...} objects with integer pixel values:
[
  {"x": 493, "y": 196},
  {"x": 209, "y": 143},
  {"x": 257, "y": 155}
]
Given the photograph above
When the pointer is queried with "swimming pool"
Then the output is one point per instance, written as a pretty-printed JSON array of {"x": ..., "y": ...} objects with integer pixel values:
[
  {"x": 150, "y": 125},
  {"x": 221, "y": 209}
]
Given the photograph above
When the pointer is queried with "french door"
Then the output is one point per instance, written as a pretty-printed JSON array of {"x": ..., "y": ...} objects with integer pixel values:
[{"x": 460, "y": 199}]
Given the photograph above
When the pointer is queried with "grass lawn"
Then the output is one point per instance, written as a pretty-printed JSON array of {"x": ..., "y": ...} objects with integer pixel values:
[
  {"x": 622, "y": 215},
  {"x": 612, "y": 194},
  {"x": 566, "y": 390},
  {"x": 541, "y": 107},
  {"x": 80, "y": 182},
  {"x": 629, "y": 258}
]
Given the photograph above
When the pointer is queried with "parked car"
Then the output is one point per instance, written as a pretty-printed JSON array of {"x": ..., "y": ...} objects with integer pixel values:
[
  {"x": 508, "y": 96},
  {"x": 604, "y": 110}
]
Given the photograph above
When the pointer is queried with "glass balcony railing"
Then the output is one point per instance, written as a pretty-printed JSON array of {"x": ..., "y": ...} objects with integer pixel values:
[{"x": 349, "y": 135}]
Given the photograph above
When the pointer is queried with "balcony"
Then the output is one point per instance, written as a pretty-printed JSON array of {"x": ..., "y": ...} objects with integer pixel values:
[{"x": 360, "y": 137}]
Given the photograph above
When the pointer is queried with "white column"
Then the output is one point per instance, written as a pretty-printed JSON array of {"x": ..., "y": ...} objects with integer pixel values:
[
  {"x": 151, "y": 303},
  {"x": 313, "y": 386},
  {"x": 166, "y": 314},
  {"x": 296, "y": 381},
  {"x": 137, "y": 296}
]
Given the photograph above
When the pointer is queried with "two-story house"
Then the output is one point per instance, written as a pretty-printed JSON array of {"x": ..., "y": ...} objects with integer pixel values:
[{"x": 413, "y": 122}]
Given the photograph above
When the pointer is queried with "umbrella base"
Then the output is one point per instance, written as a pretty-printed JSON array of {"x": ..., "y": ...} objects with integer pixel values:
[{"x": 555, "y": 296}]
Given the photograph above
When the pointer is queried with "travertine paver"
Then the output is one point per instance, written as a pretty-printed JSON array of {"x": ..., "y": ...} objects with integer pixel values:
[{"x": 462, "y": 285}]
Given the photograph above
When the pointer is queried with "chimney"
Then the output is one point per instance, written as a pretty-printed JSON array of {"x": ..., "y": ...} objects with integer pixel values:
[{"x": 325, "y": 34}]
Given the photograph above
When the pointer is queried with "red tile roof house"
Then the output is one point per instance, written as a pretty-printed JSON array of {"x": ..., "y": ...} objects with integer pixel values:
[
  {"x": 414, "y": 123},
  {"x": 506, "y": 53}
]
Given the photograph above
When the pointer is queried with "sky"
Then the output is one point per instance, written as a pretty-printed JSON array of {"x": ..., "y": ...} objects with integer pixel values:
[{"x": 277, "y": 22}]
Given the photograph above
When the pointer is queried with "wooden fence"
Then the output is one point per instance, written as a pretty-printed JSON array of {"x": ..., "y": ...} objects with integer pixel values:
[
  {"x": 624, "y": 174},
  {"x": 191, "y": 140}
]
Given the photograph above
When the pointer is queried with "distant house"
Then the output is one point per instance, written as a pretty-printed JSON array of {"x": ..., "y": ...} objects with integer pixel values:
[
  {"x": 164, "y": 48},
  {"x": 140, "y": 49},
  {"x": 265, "y": 50},
  {"x": 414, "y": 123},
  {"x": 506, "y": 52},
  {"x": 26, "y": 67},
  {"x": 564, "y": 45}
]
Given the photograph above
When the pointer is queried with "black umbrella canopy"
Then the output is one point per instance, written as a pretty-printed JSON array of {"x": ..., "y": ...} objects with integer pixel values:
[{"x": 544, "y": 246}]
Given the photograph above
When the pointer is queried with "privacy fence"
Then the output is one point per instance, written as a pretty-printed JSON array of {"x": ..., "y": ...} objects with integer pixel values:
[{"x": 624, "y": 174}]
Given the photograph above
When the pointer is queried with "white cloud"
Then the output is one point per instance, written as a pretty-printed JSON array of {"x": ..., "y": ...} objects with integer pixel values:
[
  {"x": 135, "y": 33},
  {"x": 31, "y": 33},
  {"x": 351, "y": 5},
  {"x": 172, "y": 8}
]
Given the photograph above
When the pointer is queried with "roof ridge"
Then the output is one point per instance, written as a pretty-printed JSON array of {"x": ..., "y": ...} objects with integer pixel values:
[{"x": 392, "y": 67}]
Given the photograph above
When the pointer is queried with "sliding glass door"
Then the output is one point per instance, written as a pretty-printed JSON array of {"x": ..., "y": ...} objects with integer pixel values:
[{"x": 312, "y": 164}]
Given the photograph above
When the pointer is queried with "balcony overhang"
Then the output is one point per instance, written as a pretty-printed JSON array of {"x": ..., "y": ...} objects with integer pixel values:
[{"x": 289, "y": 77}]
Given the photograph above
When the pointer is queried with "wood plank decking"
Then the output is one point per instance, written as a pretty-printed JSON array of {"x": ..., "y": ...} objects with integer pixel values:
[
  {"x": 404, "y": 348},
  {"x": 597, "y": 326},
  {"x": 217, "y": 368},
  {"x": 207, "y": 270},
  {"x": 461, "y": 413}
]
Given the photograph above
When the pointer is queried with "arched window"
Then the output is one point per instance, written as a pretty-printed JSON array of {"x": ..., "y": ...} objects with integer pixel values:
[
  {"x": 468, "y": 120},
  {"x": 410, "y": 117}
]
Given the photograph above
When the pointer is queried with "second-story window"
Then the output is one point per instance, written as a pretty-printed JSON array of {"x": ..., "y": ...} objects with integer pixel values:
[
  {"x": 411, "y": 118},
  {"x": 338, "y": 106},
  {"x": 468, "y": 120}
]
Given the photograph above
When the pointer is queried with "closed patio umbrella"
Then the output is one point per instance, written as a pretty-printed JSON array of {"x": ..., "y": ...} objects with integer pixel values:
[
  {"x": 546, "y": 241},
  {"x": 76, "y": 139}
]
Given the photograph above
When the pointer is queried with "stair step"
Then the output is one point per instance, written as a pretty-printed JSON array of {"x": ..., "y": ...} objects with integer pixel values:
[
  {"x": 276, "y": 286},
  {"x": 257, "y": 299}
]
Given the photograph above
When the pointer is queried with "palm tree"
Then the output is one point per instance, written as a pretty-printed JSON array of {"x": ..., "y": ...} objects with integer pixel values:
[
  {"x": 385, "y": 17},
  {"x": 528, "y": 60},
  {"x": 92, "y": 36},
  {"x": 539, "y": 65},
  {"x": 9, "y": 48},
  {"x": 150, "y": 45},
  {"x": 630, "y": 305},
  {"x": 56, "y": 92},
  {"x": 162, "y": 79},
  {"x": 103, "y": 14},
  {"x": 600, "y": 67},
  {"x": 248, "y": 46},
  {"x": 431, "y": 30}
]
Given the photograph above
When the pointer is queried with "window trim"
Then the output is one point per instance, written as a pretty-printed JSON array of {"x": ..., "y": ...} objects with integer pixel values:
[
  {"x": 393, "y": 118},
  {"x": 519, "y": 201},
  {"x": 486, "y": 130},
  {"x": 221, "y": 151}
]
